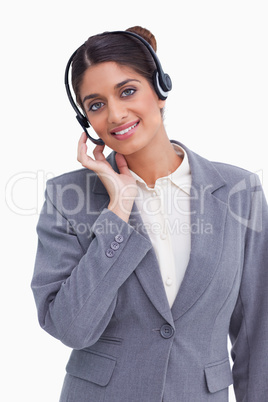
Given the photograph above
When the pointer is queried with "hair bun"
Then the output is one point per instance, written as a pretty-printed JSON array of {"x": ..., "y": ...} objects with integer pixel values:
[{"x": 145, "y": 34}]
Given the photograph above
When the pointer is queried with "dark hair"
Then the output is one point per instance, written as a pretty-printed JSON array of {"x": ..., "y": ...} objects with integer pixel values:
[{"x": 122, "y": 49}]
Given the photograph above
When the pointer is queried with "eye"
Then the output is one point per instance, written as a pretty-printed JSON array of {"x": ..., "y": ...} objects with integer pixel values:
[
  {"x": 128, "y": 92},
  {"x": 96, "y": 106}
]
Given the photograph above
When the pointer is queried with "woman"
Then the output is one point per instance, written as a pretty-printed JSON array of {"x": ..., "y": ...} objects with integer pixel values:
[{"x": 148, "y": 259}]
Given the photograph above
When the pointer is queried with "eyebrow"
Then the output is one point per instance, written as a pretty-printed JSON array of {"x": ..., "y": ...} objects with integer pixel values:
[
  {"x": 117, "y": 86},
  {"x": 121, "y": 84}
]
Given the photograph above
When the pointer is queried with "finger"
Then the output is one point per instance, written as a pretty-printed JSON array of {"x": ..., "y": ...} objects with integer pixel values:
[
  {"x": 122, "y": 164},
  {"x": 82, "y": 155},
  {"x": 98, "y": 153},
  {"x": 82, "y": 142},
  {"x": 82, "y": 139},
  {"x": 82, "y": 147}
]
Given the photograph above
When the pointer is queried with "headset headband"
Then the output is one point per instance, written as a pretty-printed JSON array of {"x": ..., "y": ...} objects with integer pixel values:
[{"x": 162, "y": 82}]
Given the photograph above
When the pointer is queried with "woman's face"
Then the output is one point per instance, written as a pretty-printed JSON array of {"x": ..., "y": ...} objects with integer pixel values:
[{"x": 121, "y": 106}]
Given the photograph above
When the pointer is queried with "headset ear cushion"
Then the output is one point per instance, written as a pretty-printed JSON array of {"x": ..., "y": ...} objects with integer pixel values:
[
  {"x": 167, "y": 83},
  {"x": 83, "y": 121},
  {"x": 162, "y": 94}
]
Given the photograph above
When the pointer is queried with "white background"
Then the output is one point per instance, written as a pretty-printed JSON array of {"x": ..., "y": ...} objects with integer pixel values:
[{"x": 215, "y": 52}]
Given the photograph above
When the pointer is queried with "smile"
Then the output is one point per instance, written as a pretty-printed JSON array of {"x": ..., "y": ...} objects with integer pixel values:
[{"x": 126, "y": 130}]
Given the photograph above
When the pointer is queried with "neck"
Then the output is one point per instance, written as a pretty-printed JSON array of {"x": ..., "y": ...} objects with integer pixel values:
[{"x": 159, "y": 159}]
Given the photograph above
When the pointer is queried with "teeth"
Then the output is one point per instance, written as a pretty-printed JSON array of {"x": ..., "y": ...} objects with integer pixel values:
[{"x": 126, "y": 130}]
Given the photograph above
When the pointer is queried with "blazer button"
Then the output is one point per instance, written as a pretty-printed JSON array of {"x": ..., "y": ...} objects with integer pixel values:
[
  {"x": 119, "y": 238},
  {"x": 115, "y": 245},
  {"x": 166, "y": 331},
  {"x": 109, "y": 253}
]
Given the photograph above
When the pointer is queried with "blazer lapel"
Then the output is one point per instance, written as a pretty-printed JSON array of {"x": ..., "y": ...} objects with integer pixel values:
[{"x": 208, "y": 216}]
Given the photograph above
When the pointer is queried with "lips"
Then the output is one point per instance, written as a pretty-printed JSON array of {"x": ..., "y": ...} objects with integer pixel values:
[{"x": 121, "y": 130}]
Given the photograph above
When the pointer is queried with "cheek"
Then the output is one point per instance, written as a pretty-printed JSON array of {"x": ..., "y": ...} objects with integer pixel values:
[
  {"x": 152, "y": 112},
  {"x": 152, "y": 103},
  {"x": 98, "y": 125}
]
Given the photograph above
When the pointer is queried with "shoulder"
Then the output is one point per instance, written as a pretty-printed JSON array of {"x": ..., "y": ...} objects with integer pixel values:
[
  {"x": 233, "y": 174},
  {"x": 81, "y": 176},
  {"x": 69, "y": 191},
  {"x": 240, "y": 185},
  {"x": 207, "y": 170},
  {"x": 73, "y": 177}
]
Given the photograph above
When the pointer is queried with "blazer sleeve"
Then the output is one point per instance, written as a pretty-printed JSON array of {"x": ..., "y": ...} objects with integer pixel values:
[
  {"x": 249, "y": 322},
  {"x": 76, "y": 290}
]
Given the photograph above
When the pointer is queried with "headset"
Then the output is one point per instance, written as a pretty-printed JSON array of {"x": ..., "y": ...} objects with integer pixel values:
[{"x": 161, "y": 81}]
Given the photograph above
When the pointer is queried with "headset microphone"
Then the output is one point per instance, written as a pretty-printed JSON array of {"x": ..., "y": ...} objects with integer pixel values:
[{"x": 162, "y": 82}]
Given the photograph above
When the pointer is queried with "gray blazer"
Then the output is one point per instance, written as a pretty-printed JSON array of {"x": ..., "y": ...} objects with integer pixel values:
[{"x": 98, "y": 289}]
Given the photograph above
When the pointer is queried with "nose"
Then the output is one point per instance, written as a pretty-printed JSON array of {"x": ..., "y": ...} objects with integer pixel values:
[{"x": 117, "y": 112}]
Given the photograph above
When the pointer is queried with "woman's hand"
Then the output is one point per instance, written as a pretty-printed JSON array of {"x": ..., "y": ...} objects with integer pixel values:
[{"x": 122, "y": 188}]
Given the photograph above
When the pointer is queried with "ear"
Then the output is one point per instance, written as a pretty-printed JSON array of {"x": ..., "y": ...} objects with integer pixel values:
[{"x": 161, "y": 103}]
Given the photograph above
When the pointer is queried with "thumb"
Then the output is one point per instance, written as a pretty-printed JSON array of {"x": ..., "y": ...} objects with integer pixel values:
[{"x": 122, "y": 164}]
